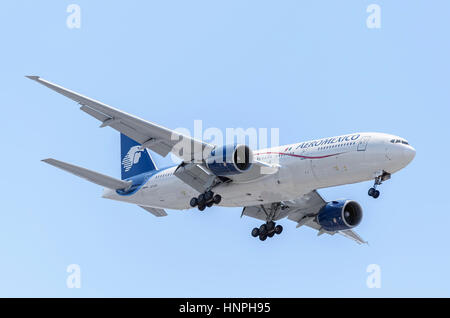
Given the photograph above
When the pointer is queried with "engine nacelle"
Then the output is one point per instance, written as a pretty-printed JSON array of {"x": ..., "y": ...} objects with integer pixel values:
[
  {"x": 230, "y": 160},
  {"x": 340, "y": 215}
]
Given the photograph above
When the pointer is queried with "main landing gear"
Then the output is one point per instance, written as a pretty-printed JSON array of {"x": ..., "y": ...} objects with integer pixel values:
[
  {"x": 373, "y": 192},
  {"x": 266, "y": 230},
  {"x": 207, "y": 199}
]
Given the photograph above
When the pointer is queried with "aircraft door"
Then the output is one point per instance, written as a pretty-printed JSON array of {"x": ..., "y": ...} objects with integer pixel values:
[{"x": 362, "y": 144}]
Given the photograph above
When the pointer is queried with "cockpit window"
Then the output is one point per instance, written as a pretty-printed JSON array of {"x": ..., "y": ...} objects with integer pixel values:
[{"x": 398, "y": 141}]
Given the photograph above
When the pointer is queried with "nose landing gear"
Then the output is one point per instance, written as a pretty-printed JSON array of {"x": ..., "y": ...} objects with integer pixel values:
[
  {"x": 207, "y": 199},
  {"x": 373, "y": 192}
]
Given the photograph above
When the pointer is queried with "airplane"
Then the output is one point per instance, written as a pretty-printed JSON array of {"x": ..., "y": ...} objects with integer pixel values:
[{"x": 269, "y": 184}]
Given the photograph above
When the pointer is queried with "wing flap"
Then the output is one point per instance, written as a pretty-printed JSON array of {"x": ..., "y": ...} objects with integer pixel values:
[
  {"x": 94, "y": 113},
  {"x": 92, "y": 176}
]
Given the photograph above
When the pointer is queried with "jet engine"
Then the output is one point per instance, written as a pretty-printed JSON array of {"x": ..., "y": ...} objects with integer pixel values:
[
  {"x": 340, "y": 215},
  {"x": 230, "y": 160}
]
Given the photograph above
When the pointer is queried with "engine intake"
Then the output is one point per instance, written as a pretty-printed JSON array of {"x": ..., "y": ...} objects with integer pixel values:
[
  {"x": 230, "y": 160},
  {"x": 340, "y": 215}
]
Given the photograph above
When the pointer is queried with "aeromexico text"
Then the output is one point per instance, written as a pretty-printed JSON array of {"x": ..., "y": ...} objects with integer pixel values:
[
  {"x": 328, "y": 141},
  {"x": 199, "y": 155}
]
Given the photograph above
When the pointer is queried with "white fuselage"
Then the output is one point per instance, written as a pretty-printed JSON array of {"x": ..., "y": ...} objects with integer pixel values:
[{"x": 303, "y": 167}]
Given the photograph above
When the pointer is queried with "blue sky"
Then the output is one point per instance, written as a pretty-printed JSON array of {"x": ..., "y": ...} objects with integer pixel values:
[{"x": 311, "y": 68}]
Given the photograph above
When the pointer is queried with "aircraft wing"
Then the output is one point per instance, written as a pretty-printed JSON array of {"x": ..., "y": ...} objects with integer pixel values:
[
  {"x": 302, "y": 210},
  {"x": 157, "y": 138}
]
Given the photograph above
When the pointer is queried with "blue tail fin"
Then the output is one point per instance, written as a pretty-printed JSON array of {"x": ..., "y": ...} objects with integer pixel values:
[{"x": 134, "y": 159}]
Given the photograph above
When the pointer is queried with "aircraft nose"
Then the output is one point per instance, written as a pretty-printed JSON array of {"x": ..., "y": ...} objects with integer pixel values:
[{"x": 409, "y": 153}]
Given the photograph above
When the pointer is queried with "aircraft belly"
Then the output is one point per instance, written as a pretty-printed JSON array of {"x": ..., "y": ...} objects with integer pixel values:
[
  {"x": 172, "y": 194},
  {"x": 284, "y": 185}
]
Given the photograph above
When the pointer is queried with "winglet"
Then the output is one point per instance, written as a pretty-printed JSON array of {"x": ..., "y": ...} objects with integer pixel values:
[{"x": 32, "y": 77}]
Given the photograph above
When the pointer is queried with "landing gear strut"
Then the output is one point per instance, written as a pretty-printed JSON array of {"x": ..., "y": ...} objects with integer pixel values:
[
  {"x": 207, "y": 199},
  {"x": 373, "y": 192},
  {"x": 268, "y": 229}
]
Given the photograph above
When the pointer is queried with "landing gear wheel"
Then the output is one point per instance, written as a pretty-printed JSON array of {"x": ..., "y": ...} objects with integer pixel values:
[
  {"x": 201, "y": 199},
  {"x": 262, "y": 237},
  {"x": 271, "y": 234},
  {"x": 208, "y": 195},
  {"x": 373, "y": 192},
  {"x": 217, "y": 198},
  {"x": 193, "y": 202},
  {"x": 270, "y": 225},
  {"x": 209, "y": 204},
  {"x": 201, "y": 207},
  {"x": 376, "y": 194},
  {"x": 255, "y": 232},
  {"x": 262, "y": 230},
  {"x": 278, "y": 229}
]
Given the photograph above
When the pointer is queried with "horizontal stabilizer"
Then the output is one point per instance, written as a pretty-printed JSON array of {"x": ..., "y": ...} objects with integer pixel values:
[
  {"x": 92, "y": 176},
  {"x": 155, "y": 211}
]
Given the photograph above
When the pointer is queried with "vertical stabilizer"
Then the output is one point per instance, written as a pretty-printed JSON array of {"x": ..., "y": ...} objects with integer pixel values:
[{"x": 134, "y": 159}]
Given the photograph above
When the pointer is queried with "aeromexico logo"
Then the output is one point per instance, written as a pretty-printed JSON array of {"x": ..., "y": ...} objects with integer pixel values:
[{"x": 132, "y": 157}]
